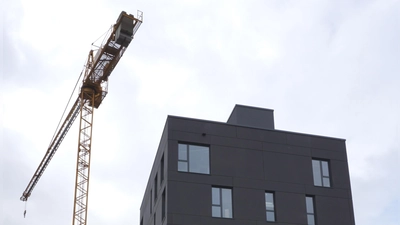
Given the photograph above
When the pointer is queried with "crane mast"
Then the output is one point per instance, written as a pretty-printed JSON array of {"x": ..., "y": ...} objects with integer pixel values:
[{"x": 99, "y": 65}]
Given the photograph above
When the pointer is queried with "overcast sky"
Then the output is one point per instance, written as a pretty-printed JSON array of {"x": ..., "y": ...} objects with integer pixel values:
[{"x": 326, "y": 67}]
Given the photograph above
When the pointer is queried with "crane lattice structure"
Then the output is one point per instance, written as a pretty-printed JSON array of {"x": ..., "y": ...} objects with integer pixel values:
[{"x": 100, "y": 63}]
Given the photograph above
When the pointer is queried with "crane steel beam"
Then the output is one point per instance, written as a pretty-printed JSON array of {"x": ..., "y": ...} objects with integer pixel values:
[
  {"x": 83, "y": 158},
  {"x": 55, "y": 143}
]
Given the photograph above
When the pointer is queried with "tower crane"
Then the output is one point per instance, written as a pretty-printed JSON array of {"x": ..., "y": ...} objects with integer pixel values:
[{"x": 99, "y": 65}]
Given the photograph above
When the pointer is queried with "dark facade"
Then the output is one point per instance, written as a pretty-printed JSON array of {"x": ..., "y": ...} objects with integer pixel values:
[{"x": 246, "y": 172}]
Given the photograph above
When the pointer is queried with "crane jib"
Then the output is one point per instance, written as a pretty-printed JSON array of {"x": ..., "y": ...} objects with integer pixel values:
[{"x": 62, "y": 132}]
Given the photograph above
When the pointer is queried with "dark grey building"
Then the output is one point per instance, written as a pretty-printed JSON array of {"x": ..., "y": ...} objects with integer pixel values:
[{"x": 245, "y": 171}]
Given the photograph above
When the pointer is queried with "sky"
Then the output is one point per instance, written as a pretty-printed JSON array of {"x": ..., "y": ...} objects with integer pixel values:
[{"x": 329, "y": 68}]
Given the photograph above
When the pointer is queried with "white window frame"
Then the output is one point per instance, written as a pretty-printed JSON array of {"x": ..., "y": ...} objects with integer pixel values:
[
  {"x": 321, "y": 173},
  {"x": 268, "y": 207},
  {"x": 222, "y": 207},
  {"x": 185, "y": 160},
  {"x": 310, "y": 209}
]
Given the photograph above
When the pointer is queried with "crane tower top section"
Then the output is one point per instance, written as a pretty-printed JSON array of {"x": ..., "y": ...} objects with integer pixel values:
[{"x": 101, "y": 62}]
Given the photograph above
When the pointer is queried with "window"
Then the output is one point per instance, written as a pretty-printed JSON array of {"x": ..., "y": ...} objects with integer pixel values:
[
  {"x": 321, "y": 173},
  {"x": 270, "y": 206},
  {"x": 155, "y": 187},
  {"x": 163, "y": 206},
  {"x": 310, "y": 210},
  {"x": 222, "y": 202},
  {"x": 193, "y": 159},
  {"x": 162, "y": 169}
]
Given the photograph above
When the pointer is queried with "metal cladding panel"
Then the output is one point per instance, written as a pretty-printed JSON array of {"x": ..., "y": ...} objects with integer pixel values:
[
  {"x": 189, "y": 198},
  {"x": 327, "y": 154},
  {"x": 235, "y": 143},
  {"x": 290, "y": 208},
  {"x": 201, "y": 127},
  {"x": 327, "y": 143},
  {"x": 340, "y": 174},
  {"x": 287, "y": 168},
  {"x": 252, "y": 117},
  {"x": 287, "y": 149},
  {"x": 186, "y": 125},
  {"x": 200, "y": 178},
  {"x": 236, "y": 162},
  {"x": 333, "y": 211},
  {"x": 267, "y": 185},
  {"x": 220, "y": 130},
  {"x": 182, "y": 136},
  {"x": 298, "y": 140},
  {"x": 249, "y": 210}
]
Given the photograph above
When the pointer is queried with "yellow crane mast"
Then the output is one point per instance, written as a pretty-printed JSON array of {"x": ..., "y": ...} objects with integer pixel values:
[{"x": 99, "y": 65}]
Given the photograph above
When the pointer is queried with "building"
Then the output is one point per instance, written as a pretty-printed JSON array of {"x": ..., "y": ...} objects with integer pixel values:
[{"x": 245, "y": 171}]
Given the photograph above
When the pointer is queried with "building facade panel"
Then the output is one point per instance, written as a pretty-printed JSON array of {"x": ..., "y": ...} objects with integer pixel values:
[
  {"x": 287, "y": 168},
  {"x": 298, "y": 140},
  {"x": 189, "y": 198},
  {"x": 340, "y": 174},
  {"x": 187, "y": 137},
  {"x": 186, "y": 125},
  {"x": 290, "y": 208},
  {"x": 329, "y": 192},
  {"x": 235, "y": 142},
  {"x": 288, "y": 149},
  {"x": 220, "y": 129},
  {"x": 233, "y": 162},
  {"x": 249, "y": 133},
  {"x": 249, "y": 204},
  {"x": 327, "y": 154},
  {"x": 325, "y": 213},
  {"x": 178, "y": 219},
  {"x": 332, "y": 144},
  {"x": 200, "y": 178}
]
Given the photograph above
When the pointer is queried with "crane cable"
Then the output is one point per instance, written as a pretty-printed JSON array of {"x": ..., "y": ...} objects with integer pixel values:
[
  {"x": 65, "y": 109},
  {"x": 25, "y": 208},
  {"x": 103, "y": 35},
  {"x": 73, "y": 91}
]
